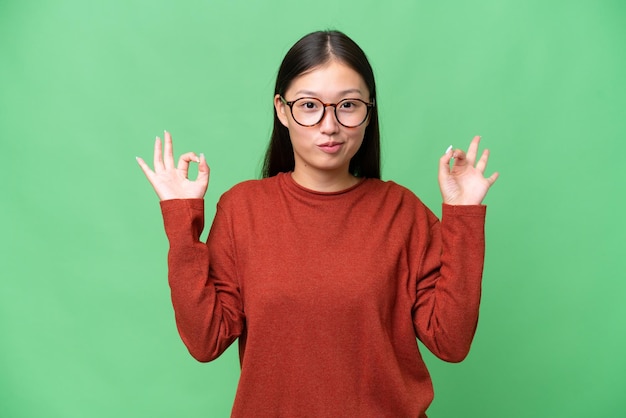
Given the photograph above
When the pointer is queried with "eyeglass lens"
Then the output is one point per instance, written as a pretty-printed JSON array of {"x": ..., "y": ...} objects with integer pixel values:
[{"x": 349, "y": 112}]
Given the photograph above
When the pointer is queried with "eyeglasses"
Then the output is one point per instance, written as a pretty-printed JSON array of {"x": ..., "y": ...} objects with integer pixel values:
[{"x": 309, "y": 111}]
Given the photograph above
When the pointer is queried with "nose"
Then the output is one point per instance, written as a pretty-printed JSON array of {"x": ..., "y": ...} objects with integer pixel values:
[{"x": 329, "y": 123}]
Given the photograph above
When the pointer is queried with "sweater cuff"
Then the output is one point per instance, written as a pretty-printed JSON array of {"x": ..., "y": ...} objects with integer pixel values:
[
  {"x": 183, "y": 218},
  {"x": 463, "y": 210},
  {"x": 173, "y": 205}
]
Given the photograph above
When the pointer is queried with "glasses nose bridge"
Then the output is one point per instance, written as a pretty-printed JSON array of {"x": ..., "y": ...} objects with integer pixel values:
[{"x": 334, "y": 106}]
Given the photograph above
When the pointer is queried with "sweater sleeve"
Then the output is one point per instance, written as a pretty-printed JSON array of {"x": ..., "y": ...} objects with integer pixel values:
[
  {"x": 445, "y": 314},
  {"x": 207, "y": 302}
]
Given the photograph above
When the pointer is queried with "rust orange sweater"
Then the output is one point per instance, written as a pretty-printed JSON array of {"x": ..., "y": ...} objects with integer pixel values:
[{"x": 327, "y": 293}]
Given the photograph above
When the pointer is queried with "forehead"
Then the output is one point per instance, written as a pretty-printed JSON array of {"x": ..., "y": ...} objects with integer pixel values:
[{"x": 330, "y": 80}]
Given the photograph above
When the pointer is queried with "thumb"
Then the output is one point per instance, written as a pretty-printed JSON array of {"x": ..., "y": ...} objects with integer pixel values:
[
  {"x": 444, "y": 163},
  {"x": 203, "y": 169}
]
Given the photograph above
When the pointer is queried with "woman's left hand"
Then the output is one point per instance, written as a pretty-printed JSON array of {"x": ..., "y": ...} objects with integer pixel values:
[{"x": 465, "y": 183}]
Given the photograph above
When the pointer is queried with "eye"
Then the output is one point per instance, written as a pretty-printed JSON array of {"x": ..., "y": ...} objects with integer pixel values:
[
  {"x": 350, "y": 105},
  {"x": 308, "y": 105}
]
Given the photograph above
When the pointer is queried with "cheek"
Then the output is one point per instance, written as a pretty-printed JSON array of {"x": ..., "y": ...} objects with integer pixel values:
[
  {"x": 298, "y": 134},
  {"x": 359, "y": 139},
  {"x": 359, "y": 136}
]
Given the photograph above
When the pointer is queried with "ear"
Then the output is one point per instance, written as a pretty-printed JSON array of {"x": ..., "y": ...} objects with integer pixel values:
[
  {"x": 281, "y": 110},
  {"x": 369, "y": 116}
]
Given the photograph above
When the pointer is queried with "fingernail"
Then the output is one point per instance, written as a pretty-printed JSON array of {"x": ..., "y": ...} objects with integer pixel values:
[{"x": 449, "y": 149}]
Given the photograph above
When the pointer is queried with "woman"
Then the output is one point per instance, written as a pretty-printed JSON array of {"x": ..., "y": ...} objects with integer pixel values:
[{"x": 325, "y": 273}]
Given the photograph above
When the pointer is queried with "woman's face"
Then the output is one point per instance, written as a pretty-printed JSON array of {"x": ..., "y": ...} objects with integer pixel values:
[{"x": 328, "y": 147}]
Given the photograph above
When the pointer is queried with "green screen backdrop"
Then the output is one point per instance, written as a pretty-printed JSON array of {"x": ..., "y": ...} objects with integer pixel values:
[{"x": 86, "y": 324}]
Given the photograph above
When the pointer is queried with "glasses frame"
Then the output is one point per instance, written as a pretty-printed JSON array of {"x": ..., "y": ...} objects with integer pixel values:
[{"x": 369, "y": 106}]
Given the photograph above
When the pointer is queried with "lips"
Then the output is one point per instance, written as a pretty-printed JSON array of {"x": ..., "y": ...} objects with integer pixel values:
[{"x": 330, "y": 147}]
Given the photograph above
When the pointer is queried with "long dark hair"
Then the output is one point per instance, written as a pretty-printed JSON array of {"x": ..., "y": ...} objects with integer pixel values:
[{"x": 311, "y": 51}]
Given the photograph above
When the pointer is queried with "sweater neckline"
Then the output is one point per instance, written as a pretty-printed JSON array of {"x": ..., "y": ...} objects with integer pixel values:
[{"x": 288, "y": 180}]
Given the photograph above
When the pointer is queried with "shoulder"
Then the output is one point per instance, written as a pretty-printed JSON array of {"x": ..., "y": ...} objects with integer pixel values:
[
  {"x": 249, "y": 186},
  {"x": 399, "y": 198},
  {"x": 249, "y": 191},
  {"x": 391, "y": 189}
]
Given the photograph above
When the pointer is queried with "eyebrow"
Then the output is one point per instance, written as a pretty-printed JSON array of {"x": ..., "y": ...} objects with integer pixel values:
[{"x": 341, "y": 93}]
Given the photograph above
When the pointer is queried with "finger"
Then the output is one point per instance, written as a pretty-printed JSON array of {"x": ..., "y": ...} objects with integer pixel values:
[
  {"x": 168, "y": 150},
  {"x": 145, "y": 168},
  {"x": 184, "y": 160},
  {"x": 460, "y": 158},
  {"x": 472, "y": 151},
  {"x": 482, "y": 163},
  {"x": 492, "y": 178},
  {"x": 158, "y": 155}
]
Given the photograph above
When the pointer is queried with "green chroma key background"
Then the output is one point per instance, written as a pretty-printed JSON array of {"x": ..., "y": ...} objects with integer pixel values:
[{"x": 86, "y": 324}]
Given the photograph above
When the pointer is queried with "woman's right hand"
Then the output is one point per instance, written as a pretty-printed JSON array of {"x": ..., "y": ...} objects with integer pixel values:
[{"x": 170, "y": 182}]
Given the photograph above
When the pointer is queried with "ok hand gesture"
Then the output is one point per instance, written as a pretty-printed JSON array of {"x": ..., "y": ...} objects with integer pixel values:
[
  {"x": 170, "y": 182},
  {"x": 465, "y": 183}
]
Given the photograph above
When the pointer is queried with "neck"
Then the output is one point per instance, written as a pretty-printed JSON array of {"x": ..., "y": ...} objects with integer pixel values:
[{"x": 327, "y": 181}]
